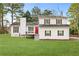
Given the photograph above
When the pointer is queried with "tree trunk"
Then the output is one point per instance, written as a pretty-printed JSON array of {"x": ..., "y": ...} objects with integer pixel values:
[
  {"x": 78, "y": 27},
  {"x": 2, "y": 21},
  {"x": 2, "y": 16},
  {"x": 12, "y": 17},
  {"x": 12, "y": 13}
]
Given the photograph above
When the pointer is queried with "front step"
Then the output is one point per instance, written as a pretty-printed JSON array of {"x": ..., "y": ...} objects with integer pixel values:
[{"x": 36, "y": 37}]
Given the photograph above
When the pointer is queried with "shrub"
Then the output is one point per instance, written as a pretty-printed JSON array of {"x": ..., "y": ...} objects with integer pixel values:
[
  {"x": 74, "y": 31},
  {"x": 3, "y": 31}
]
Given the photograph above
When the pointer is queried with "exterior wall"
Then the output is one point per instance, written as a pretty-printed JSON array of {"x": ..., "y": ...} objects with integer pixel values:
[
  {"x": 14, "y": 34},
  {"x": 41, "y": 21},
  {"x": 53, "y": 32},
  {"x": 22, "y": 27},
  {"x": 53, "y": 20},
  {"x": 64, "y": 21}
]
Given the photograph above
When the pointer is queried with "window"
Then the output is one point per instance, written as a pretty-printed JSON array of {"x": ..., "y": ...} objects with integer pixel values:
[
  {"x": 30, "y": 29},
  {"x": 47, "y": 21},
  {"x": 60, "y": 33},
  {"x": 47, "y": 33},
  {"x": 15, "y": 29},
  {"x": 58, "y": 21}
]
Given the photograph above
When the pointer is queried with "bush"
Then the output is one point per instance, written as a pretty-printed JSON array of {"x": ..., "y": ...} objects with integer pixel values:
[
  {"x": 74, "y": 31},
  {"x": 3, "y": 31}
]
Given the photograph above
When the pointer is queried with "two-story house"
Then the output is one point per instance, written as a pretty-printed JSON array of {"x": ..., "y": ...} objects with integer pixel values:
[
  {"x": 48, "y": 27},
  {"x": 53, "y": 27}
]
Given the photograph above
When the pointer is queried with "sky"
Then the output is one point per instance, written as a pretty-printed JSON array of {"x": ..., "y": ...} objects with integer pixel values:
[{"x": 56, "y": 6}]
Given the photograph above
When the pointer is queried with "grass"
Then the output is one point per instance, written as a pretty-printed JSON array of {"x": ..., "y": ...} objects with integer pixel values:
[{"x": 13, "y": 46}]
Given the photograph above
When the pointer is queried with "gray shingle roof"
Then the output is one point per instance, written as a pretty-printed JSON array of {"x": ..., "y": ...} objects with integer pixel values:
[
  {"x": 51, "y": 16},
  {"x": 15, "y": 23}
]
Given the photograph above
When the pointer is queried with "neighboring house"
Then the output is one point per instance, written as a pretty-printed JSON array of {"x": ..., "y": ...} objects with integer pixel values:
[{"x": 47, "y": 27}]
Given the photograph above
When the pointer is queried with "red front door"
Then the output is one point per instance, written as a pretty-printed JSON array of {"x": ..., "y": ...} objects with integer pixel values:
[{"x": 36, "y": 29}]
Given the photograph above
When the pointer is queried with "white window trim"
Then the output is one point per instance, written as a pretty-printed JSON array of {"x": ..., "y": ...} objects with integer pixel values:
[
  {"x": 30, "y": 31},
  {"x": 62, "y": 33},
  {"x": 49, "y": 33},
  {"x": 45, "y": 21},
  {"x": 59, "y": 20},
  {"x": 14, "y": 29}
]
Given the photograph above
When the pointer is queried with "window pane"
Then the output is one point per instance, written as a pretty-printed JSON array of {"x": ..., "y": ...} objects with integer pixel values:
[
  {"x": 60, "y": 32},
  {"x": 15, "y": 29},
  {"x": 47, "y": 33},
  {"x": 47, "y": 21},
  {"x": 58, "y": 21},
  {"x": 30, "y": 29}
]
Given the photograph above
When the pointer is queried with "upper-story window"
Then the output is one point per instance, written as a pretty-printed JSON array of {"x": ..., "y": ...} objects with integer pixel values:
[
  {"x": 58, "y": 21},
  {"x": 46, "y": 21}
]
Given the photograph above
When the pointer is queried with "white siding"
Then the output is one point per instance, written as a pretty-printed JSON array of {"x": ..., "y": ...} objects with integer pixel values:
[
  {"x": 53, "y": 32},
  {"x": 64, "y": 21},
  {"x": 41, "y": 21},
  {"x": 52, "y": 20}
]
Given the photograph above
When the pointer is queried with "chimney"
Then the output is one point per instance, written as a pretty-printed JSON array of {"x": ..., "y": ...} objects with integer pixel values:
[{"x": 22, "y": 27}]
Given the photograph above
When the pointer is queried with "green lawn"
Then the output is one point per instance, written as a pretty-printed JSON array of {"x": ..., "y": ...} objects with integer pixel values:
[{"x": 24, "y": 47}]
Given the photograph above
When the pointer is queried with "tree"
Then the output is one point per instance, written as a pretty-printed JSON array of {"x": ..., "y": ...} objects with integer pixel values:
[
  {"x": 28, "y": 16},
  {"x": 15, "y": 9},
  {"x": 36, "y": 11},
  {"x": 73, "y": 27},
  {"x": 47, "y": 12},
  {"x": 3, "y": 11},
  {"x": 74, "y": 14}
]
